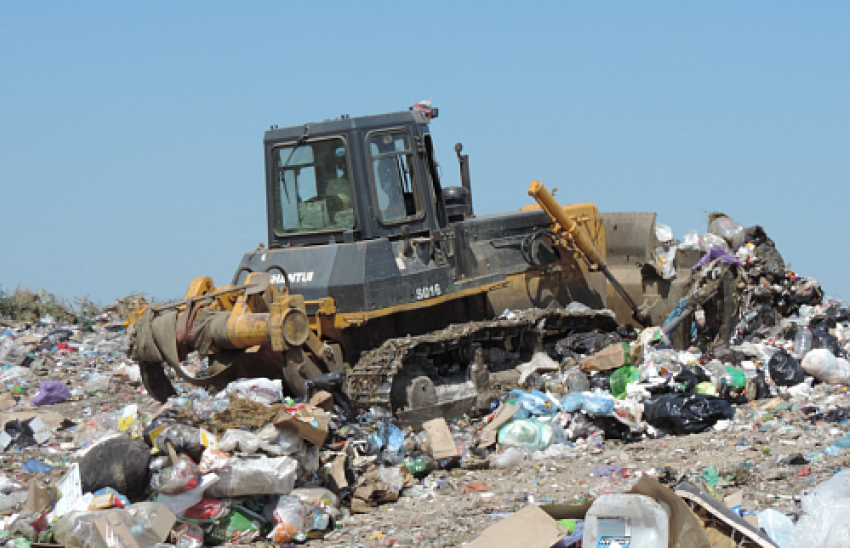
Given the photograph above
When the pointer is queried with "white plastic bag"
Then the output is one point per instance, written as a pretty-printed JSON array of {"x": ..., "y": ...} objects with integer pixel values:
[
  {"x": 256, "y": 476},
  {"x": 264, "y": 391},
  {"x": 825, "y": 367},
  {"x": 181, "y": 502},
  {"x": 825, "y": 524},
  {"x": 246, "y": 442},
  {"x": 778, "y": 527},
  {"x": 663, "y": 233}
]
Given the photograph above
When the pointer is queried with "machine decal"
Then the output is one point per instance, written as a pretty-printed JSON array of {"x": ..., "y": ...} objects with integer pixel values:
[
  {"x": 300, "y": 277},
  {"x": 294, "y": 278},
  {"x": 428, "y": 292}
]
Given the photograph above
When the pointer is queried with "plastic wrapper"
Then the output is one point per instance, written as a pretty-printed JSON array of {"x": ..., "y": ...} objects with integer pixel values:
[
  {"x": 189, "y": 535},
  {"x": 77, "y": 530},
  {"x": 239, "y": 440},
  {"x": 686, "y": 413},
  {"x": 316, "y": 496},
  {"x": 256, "y": 476},
  {"x": 825, "y": 524},
  {"x": 264, "y": 391},
  {"x": 554, "y": 453},
  {"x": 825, "y": 367},
  {"x": 785, "y": 370},
  {"x": 213, "y": 459},
  {"x": 182, "y": 476},
  {"x": 181, "y": 502},
  {"x": 289, "y": 513}
]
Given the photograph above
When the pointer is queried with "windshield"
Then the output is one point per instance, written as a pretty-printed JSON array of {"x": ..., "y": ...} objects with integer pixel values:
[{"x": 311, "y": 187}]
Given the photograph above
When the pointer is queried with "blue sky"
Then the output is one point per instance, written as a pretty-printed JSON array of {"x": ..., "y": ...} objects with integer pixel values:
[{"x": 131, "y": 133}]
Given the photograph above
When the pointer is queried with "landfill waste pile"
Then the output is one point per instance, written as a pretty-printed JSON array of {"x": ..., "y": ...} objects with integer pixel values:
[{"x": 601, "y": 438}]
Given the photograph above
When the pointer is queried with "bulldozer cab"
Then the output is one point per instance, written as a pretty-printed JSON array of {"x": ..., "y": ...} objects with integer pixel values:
[{"x": 352, "y": 179}]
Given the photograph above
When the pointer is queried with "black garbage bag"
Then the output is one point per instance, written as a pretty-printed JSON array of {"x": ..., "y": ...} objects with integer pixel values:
[
  {"x": 601, "y": 380},
  {"x": 761, "y": 389},
  {"x": 587, "y": 342},
  {"x": 185, "y": 439},
  {"x": 835, "y": 416},
  {"x": 821, "y": 338},
  {"x": 686, "y": 413},
  {"x": 120, "y": 463},
  {"x": 690, "y": 376},
  {"x": 614, "y": 429},
  {"x": 785, "y": 370},
  {"x": 332, "y": 383}
]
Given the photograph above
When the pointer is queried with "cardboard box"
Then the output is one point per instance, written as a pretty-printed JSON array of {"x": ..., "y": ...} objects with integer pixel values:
[
  {"x": 323, "y": 400},
  {"x": 114, "y": 532},
  {"x": 442, "y": 444},
  {"x": 503, "y": 414},
  {"x": 314, "y": 431},
  {"x": 611, "y": 357},
  {"x": 531, "y": 527}
]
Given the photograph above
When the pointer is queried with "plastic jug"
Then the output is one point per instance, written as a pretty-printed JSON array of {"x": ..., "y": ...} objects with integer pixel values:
[{"x": 636, "y": 521}]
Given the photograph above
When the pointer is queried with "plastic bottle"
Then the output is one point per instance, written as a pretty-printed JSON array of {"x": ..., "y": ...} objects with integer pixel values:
[
  {"x": 802, "y": 341},
  {"x": 639, "y": 521}
]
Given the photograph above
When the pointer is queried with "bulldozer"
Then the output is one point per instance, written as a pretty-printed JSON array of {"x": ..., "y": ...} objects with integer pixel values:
[{"x": 377, "y": 274}]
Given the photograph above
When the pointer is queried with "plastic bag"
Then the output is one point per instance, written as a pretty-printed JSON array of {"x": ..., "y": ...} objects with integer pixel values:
[
  {"x": 256, "y": 476},
  {"x": 778, "y": 527},
  {"x": 572, "y": 402},
  {"x": 621, "y": 378},
  {"x": 77, "y": 530},
  {"x": 785, "y": 370},
  {"x": 686, "y": 413},
  {"x": 264, "y": 391},
  {"x": 182, "y": 476},
  {"x": 825, "y": 524},
  {"x": 663, "y": 233},
  {"x": 526, "y": 433},
  {"x": 598, "y": 403},
  {"x": 535, "y": 402},
  {"x": 289, "y": 513},
  {"x": 213, "y": 459},
  {"x": 821, "y": 364},
  {"x": 510, "y": 458},
  {"x": 181, "y": 502},
  {"x": 242, "y": 440},
  {"x": 729, "y": 230}
]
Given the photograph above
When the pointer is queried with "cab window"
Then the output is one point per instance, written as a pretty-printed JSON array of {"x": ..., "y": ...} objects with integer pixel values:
[
  {"x": 392, "y": 163},
  {"x": 311, "y": 187}
]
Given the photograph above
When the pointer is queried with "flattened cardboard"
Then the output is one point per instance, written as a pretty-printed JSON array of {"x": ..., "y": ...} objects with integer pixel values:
[
  {"x": 323, "y": 400},
  {"x": 503, "y": 414},
  {"x": 611, "y": 357},
  {"x": 337, "y": 478},
  {"x": 38, "y": 498},
  {"x": 531, "y": 527},
  {"x": 315, "y": 434},
  {"x": 70, "y": 491},
  {"x": 442, "y": 444},
  {"x": 6, "y": 401}
]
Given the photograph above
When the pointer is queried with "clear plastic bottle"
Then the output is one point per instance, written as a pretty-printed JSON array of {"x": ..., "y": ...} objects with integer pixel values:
[
  {"x": 802, "y": 341},
  {"x": 633, "y": 520}
]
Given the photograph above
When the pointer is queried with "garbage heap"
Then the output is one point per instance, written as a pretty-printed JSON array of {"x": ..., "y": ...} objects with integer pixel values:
[{"x": 99, "y": 463}]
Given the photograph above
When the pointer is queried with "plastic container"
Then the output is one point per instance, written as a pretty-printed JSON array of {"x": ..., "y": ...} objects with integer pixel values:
[
  {"x": 636, "y": 521},
  {"x": 802, "y": 342}
]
